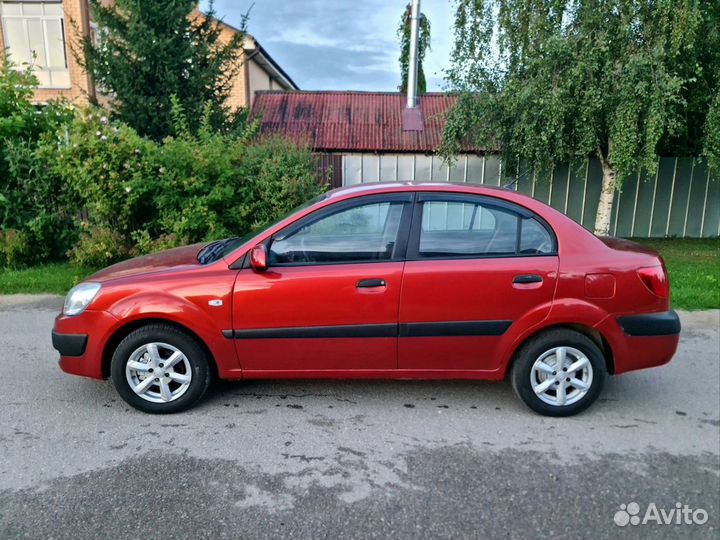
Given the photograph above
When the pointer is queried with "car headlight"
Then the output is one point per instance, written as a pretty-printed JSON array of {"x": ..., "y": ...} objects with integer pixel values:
[{"x": 80, "y": 297}]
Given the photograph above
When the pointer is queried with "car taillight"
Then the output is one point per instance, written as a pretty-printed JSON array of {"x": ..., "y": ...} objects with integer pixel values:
[{"x": 655, "y": 279}]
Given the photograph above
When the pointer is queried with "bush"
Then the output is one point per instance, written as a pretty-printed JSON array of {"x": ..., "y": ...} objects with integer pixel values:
[
  {"x": 108, "y": 169},
  {"x": 13, "y": 247},
  {"x": 31, "y": 200},
  {"x": 187, "y": 189},
  {"x": 100, "y": 247},
  {"x": 280, "y": 176},
  {"x": 217, "y": 186},
  {"x": 214, "y": 185},
  {"x": 145, "y": 244},
  {"x": 78, "y": 184},
  {"x": 36, "y": 202}
]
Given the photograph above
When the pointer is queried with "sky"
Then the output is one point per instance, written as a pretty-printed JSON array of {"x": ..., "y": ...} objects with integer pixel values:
[{"x": 341, "y": 44}]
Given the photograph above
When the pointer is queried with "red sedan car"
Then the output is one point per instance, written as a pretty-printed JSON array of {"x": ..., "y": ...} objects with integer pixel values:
[{"x": 392, "y": 281}]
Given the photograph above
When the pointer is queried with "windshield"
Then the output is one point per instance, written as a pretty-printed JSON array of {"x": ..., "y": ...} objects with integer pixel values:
[{"x": 222, "y": 248}]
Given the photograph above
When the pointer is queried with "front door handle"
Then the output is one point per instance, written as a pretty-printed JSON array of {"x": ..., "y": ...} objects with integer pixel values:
[
  {"x": 529, "y": 278},
  {"x": 369, "y": 283}
]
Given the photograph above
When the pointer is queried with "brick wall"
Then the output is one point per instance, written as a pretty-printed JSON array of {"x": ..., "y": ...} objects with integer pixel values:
[{"x": 239, "y": 93}]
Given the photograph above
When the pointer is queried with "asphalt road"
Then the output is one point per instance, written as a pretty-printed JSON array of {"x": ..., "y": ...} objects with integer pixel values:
[{"x": 351, "y": 459}]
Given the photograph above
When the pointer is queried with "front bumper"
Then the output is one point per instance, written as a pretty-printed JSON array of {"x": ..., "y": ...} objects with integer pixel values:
[
  {"x": 81, "y": 339},
  {"x": 69, "y": 344}
]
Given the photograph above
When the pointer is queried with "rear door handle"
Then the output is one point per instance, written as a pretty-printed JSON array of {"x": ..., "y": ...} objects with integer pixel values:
[
  {"x": 529, "y": 278},
  {"x": 369, "y": 283}
]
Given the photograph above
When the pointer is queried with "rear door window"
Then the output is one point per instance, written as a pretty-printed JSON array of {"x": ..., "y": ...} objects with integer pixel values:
[
  {"x": 464, "y": 229},
  {"x": 468, "y": 227}
]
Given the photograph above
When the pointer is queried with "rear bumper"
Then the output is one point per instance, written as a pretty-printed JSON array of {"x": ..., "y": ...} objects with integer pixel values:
[
  {"x": 651, "y": 324},
  {"x": 641, "y": 341}
]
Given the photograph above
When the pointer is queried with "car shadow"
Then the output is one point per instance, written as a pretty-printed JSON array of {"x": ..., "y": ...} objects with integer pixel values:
[{"x": 316, "y": 393}]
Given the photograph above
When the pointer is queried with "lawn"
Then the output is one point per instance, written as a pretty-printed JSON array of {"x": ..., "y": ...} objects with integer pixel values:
[
  {"x": 55, "y": 278},
  {"x": 694, "y": 269},
  {"x": 693, "y": 264}
]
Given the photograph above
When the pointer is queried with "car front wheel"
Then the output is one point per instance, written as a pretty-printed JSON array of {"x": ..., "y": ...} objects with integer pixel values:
[
  {"x": 559, "y": 373},
  {"x": 158, "y": 368}
]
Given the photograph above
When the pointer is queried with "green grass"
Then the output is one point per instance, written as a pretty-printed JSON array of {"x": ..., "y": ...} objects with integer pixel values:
[
  {"x": 55, "y": 278},
  {"x": 693, "y": 265},
  {"x": 694, "y": 269}
]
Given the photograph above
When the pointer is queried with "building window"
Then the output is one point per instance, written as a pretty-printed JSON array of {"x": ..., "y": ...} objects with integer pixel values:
[{"x": 34, "y": 36}]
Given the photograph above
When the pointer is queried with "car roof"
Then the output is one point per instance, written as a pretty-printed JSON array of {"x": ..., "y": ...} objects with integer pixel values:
[{"x": 390, "y": 187}]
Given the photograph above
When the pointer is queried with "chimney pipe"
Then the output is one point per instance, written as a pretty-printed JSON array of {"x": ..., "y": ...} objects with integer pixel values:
[
  {"x": 411, "y": 116},
  {"x": 413, "y": 59}
]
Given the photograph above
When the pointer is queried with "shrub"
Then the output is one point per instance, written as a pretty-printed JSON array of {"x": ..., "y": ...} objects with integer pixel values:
[
  {"x": 145, "y": 244},
  {"x": 36, "y": 202},
  {"x": 31, "y": 202},
  {"x": 198, "y": 185},
  {"x": 13, "y": 247},
  {"x": 108, "y": 169},
  {"x": 17, "y": 114},
  {"x": 215, "y": 185},
  {"x": 99, "y": 247},
  {"x": 280, "y": 176},
  {"x": 91, "y": 189},
  {"x": 218, "y": 186}
]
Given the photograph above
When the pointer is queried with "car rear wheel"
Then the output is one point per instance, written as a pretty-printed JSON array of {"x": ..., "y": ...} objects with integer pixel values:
[
  {"x": 158, "y": 368},
  {"x": 559, "y": 373}
]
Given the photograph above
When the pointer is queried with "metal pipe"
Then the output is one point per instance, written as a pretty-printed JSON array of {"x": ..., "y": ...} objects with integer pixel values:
[{"x": 413, "y": 57}]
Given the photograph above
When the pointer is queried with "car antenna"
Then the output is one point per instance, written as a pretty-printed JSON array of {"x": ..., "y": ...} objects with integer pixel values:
[{"x": 512, "y": 184}]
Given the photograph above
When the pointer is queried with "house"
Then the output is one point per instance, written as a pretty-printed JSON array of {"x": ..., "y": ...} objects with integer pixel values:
[
  {"x": 257, "y": 69},
  {"x": 47, "y": 33},
  {"x": 364, "y": 136}
]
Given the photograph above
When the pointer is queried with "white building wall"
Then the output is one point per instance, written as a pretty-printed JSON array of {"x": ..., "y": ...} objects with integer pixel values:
[{"x": 362, "y": 168}]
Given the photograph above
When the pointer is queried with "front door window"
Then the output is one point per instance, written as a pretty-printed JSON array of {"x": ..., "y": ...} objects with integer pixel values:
[{"x": 366, "y": 233}]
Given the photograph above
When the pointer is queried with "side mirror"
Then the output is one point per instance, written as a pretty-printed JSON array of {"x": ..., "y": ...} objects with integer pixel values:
[{"x": 258, "y": 258}]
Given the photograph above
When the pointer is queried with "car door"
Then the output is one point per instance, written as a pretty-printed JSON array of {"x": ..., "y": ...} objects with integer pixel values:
[
  {"x": 329, "y": 299},
  {"x": 476, "y": 266}
]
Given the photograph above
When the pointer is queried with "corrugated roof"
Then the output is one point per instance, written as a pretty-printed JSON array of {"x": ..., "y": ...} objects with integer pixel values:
[{"x": 352, "y": 121}]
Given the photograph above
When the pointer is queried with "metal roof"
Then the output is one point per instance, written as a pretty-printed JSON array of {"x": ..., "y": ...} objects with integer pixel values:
[{"x": 353, "y": 121}]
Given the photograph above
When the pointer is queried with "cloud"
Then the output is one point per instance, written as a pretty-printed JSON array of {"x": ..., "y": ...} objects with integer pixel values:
[
  {"x": 340, "y": 69},
  {"x": 340, "y": 44}
]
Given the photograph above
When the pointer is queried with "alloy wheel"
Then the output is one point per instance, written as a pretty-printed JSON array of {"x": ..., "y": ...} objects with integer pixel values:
[
  {"x": 561, "y": 376},
  {"x": 158, "y": 372}
]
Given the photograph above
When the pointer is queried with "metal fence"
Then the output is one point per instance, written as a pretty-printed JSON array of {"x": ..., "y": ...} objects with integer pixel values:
[{"x": 682, "y": 199}]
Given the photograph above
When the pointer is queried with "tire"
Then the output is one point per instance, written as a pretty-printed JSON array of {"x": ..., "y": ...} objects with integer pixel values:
[
  {"x": 578, "y": 389},
  {"x": 168, "y": 357}
]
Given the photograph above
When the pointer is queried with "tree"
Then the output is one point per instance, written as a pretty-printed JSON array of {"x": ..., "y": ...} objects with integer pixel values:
[
  {"x": 557, "y": 81},
  {"x": 150, "y": 51},
  {"x": 712, "y": 134},
  {"x": 700, "y": 68},
  {"x": 403, "y": 33}
]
